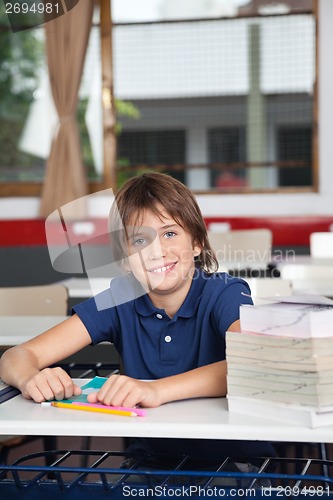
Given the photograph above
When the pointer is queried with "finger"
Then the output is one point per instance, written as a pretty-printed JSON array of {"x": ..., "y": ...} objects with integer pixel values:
[
  {"x": 143, "y": 395},
  {"x": 32, "y": 392},
  {"x": 67, "y": 390},
  {"x": 116, "y": 398},
  {"x": 54, "y": 384},
  {"x": 131, "y": 400},
  {"x": 92, "y": 397},
  {"x": 63, "y": 384},
  {"x": 136, "y": 395},
  {"x": 110, "y": 387},
  {"x": 77, "y": 390},
  {"x": 45, "y": 390},
  {"x": 60, "y": 383},
  {"x": 127, "y": 390}
]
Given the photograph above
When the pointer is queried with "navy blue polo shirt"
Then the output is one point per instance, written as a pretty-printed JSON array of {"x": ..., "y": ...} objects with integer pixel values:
[{"x": 153, "y": 346}]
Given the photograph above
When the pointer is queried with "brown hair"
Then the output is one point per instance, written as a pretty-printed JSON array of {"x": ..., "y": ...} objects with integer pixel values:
[{"x": 146, "y": 192}]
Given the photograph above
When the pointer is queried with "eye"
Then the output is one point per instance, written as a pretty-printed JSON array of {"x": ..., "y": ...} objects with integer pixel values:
[
  {"x": 170, "y": 234},
  {"x": 139, "y": 242}
]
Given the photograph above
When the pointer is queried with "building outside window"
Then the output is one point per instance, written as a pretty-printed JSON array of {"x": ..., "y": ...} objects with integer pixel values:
[{"x": 210, "y": 93}]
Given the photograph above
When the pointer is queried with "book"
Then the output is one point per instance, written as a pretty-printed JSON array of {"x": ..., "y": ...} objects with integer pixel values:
[
  {"x": 257, "y": 341},
  {"x": 81, "y": 402},
  {"x": 283, "y": 375},
  {"x": 278, "y": 373},
  {"x": 7, "y": 392},
  {"x": 283, "y": 358},
  {"x": 281, "y": 412},
  {"x": 92, "y": 385},
  {"x": 299, "y": 319},
  {"x": 308, "y": 395},
  {"x": 311, "y": 354}
]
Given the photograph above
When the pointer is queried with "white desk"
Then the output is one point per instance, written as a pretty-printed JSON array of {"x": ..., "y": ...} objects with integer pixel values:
[
  {"x": 225, "y": 266},
  {"x": 309, "y": 274},
  {"x": 198, "y": 418},
  {"x": 17, "y": 329},
  {"x": 85, "y": 288}
]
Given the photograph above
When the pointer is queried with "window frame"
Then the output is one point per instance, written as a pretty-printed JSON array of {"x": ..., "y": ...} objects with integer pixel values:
[{"x": 110, "y": 169}]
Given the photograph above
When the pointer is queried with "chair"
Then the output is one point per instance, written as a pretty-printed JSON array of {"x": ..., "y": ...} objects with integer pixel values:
[
  {"x": 309, "y": 277},
  {"x": 44, "y": 300},
  {"x": 268, "y": 287},
  {"x": 321, "y": 245},
  {"x": 243, "y": 249}
]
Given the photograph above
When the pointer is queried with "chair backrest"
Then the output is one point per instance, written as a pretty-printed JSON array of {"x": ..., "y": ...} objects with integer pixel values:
[
  {"x": 44, "y": 300},
  {"x": 268, "y": 287},
  {"x": 321, "y": 245},
  {"x": 246, "y": 248},
  {"x": 309, "y": 277},
  {"x": 307, "y": 272}
]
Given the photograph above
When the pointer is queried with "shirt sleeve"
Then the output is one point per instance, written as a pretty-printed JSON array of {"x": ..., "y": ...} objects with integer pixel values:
[
  {"x": 101, "y": 323},
  {"x": 226, "y": 310}
]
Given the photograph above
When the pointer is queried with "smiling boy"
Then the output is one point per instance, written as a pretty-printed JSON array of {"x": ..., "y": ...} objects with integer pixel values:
[{"x": 171, "y": 338}]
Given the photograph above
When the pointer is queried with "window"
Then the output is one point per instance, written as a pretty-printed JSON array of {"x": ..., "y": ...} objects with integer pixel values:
[
  {"x": 230, "y": 84},
  {"x": 212, "y": 93},
  {"x": 227, "y": 146},
  {"x": 27, "y": 112},
  {"x": 151, "y": 148},
  {"x": 295, "y": 145},
  {"x": 21, "y": 78}
]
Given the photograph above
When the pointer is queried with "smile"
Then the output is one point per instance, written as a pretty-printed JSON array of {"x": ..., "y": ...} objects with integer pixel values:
[{"x": 162, "y": 269}]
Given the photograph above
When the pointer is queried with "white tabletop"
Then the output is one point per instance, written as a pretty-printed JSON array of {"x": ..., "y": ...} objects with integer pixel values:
[
  {"x": 84, "y": 287},
  {"x": 308, "y": 274},
  {"x": 197, "y": 418},
  {"x": 17, "y": 329},
  {"x": 305, "y": 260}
]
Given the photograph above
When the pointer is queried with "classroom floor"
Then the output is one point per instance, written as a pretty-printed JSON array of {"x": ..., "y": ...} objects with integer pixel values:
[
  {"x": 117, "y": 444},
  {"x": 68, "y": 443},
  {"x": 289, "y": 451}
]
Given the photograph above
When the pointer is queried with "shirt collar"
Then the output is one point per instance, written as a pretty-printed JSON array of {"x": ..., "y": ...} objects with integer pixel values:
[{"x": 145, "y": 307}]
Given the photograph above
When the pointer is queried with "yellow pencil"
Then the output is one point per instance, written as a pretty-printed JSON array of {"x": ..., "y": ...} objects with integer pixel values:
[{"x": 70, "y": 406}]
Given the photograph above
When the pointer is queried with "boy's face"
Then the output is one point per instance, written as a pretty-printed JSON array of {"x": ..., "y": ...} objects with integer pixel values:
[{"x": 161, "y": 253}]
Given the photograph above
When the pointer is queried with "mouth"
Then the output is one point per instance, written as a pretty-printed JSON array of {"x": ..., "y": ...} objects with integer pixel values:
[{"x": 164, "y": 269}]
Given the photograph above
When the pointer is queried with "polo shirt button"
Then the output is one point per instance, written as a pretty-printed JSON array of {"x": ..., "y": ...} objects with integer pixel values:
[
  {"x": 159, "y": 316},
  {"x": 167, "y": 338}
]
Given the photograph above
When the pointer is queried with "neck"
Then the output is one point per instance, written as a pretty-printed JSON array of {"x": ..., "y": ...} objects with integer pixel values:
[{"x": 170, "y": 302}]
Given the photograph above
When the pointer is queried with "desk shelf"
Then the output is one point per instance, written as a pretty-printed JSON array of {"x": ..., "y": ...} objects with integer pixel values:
[{"x": 29, "y": 478}]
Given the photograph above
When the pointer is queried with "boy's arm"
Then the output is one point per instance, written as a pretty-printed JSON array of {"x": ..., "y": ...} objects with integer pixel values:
[
  {"x": 205, "y": 381},
  {"x": 120, "y": 390},
  {"x": 25, "y": 366}
]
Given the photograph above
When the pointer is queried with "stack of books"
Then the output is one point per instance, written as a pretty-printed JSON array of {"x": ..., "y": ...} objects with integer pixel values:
[{"x": 280, "y": 365}]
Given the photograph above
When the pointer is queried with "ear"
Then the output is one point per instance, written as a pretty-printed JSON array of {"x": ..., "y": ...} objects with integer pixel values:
[
  {"x": 126, "y": 266},
  {"x": 196, "y": 250}
]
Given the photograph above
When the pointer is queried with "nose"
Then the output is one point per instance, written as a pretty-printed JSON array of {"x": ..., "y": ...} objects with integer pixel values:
[{"x": 155, "y": 249}]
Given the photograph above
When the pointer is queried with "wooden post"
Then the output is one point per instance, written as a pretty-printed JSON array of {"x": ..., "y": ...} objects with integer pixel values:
[
  {"x": 315, "y": 131},
  {"x": 108, "y": 100},
  {"x": 256, "y": 147}
]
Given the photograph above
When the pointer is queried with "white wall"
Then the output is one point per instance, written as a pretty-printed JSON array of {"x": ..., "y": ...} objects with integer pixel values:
[{"x": 320, "y": 203}]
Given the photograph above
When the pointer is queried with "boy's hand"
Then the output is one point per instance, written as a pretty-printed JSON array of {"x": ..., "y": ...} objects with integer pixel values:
[
  {"x": 49, "y": 384},
  {"x": 120, "y": 390}
]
